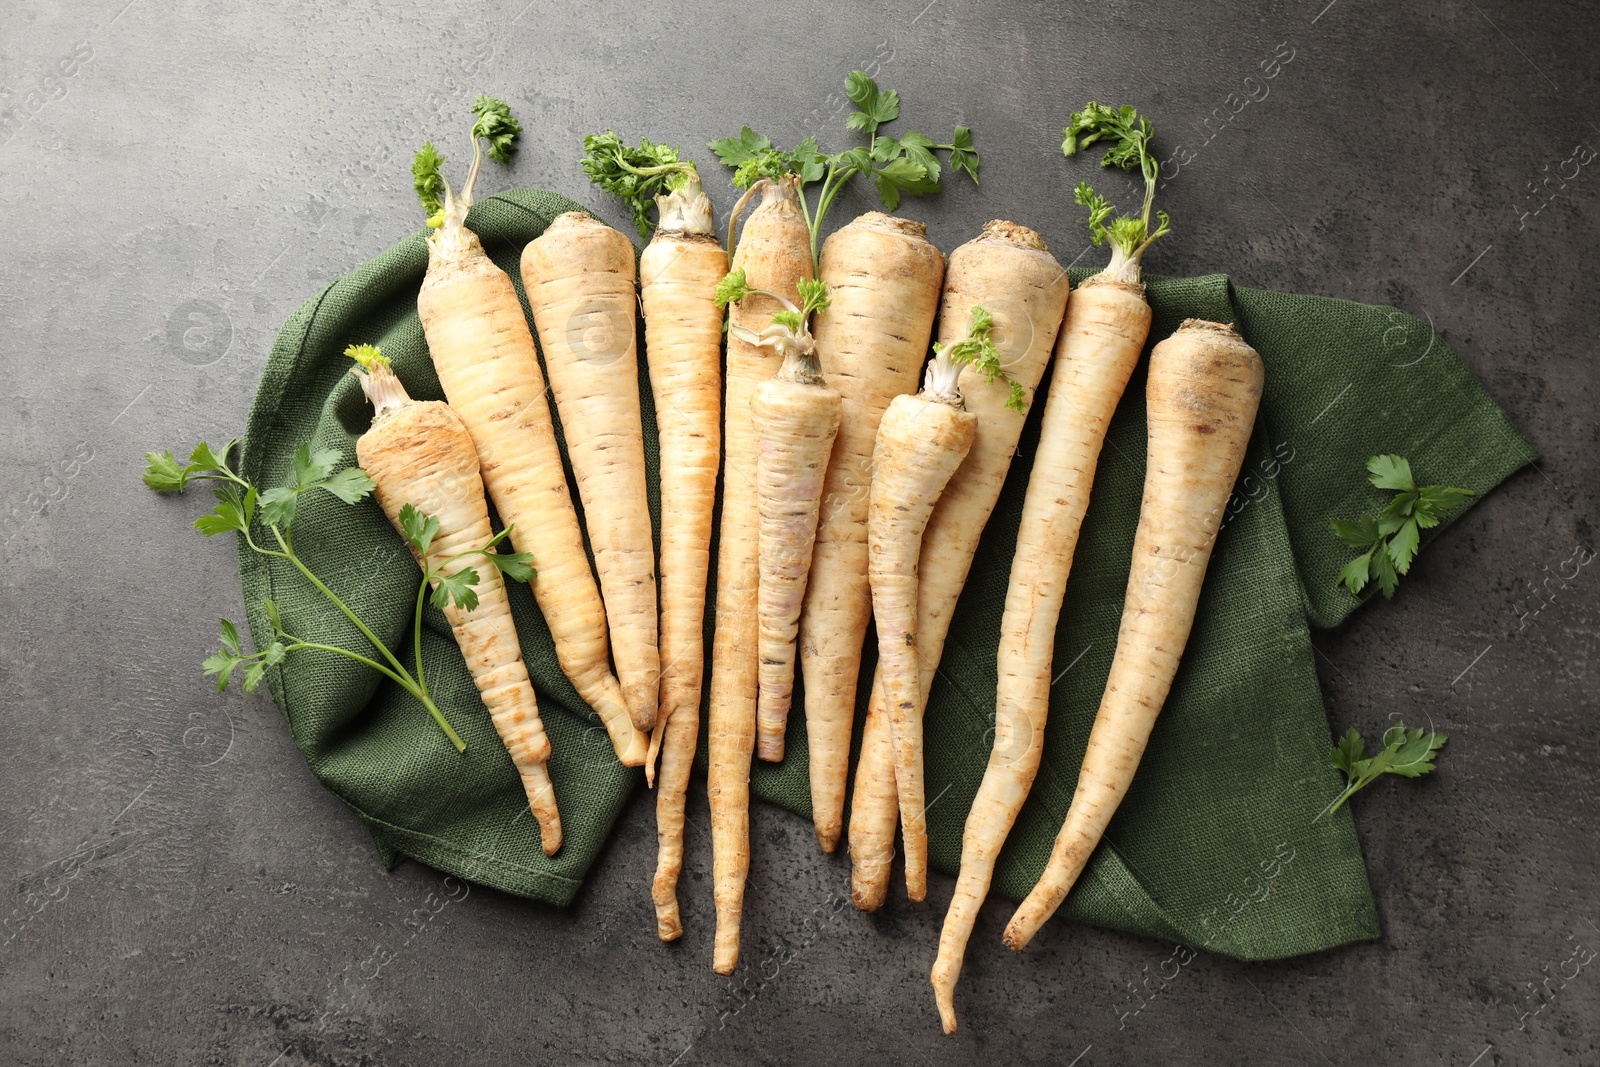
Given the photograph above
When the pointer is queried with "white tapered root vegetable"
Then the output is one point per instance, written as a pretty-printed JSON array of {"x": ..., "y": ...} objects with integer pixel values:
[
  {"x": 774, "y": 255},
  {"x": 678, "y": 276},
  {"x": 796, "y": 416},
  {"x": 484, "y": 355},
  {"x": 1009, "y": 270},
  {"x": 1106, "y": 326},
  {"x": 921, "y": 442},
  {"x": 1204, "y": 389},
  {"x": 883, "y": 278},
  {"x": 419, "y": 455},
  {"x": 580, "y": 282}
]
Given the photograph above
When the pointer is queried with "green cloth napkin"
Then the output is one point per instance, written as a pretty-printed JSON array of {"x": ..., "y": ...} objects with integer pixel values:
[{"x": 1222, "y": 841}]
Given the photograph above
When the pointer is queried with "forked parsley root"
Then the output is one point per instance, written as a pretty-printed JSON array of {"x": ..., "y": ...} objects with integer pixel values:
[
  {"x": 243, "y": 509},
  {"x": 921, "y": 440}
]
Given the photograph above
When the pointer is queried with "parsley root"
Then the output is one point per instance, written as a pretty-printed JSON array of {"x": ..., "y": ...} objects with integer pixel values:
[
  {"x": 883, "y": 278},
  {"x": 1010, "y": 269},
  {"x": 921, "y": 442},
  {"x": 774, "y": 256},
  {"x": 579, "y": 277},
  {"x": 1201, "y": 399},
  {"x": 1106, "y": 325},
  {"x": 421, "y": 459},
  {"x": 678, "y": 276},
  {"x": 796, "y": 416},
  {"x": 483, "y": 352}
]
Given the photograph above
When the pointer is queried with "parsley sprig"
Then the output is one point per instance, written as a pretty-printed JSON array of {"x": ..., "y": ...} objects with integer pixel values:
[
  {"x": 494, "y": 126},
  {"x": 904, "y": 165},
  {"x": 1390, "y": 539},
  {"x": 635, "y": 175},
  {"x": 1408, "y": 753},
  {"x": 789, "y": 335},
  {"x": 977, "y": 349},
  {"x": 1129, "y": 136},
  {"x": 243, "y": 509}
]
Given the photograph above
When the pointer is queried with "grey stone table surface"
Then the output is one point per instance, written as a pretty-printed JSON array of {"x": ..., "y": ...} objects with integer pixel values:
[{"x": 179, "y": 177}]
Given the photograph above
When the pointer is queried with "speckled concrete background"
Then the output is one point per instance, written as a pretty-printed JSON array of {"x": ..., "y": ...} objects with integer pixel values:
[{"x": 179, "y": 177}]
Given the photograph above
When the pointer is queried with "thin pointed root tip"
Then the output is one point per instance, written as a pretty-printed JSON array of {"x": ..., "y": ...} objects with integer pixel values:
[
  {"x": 668, "y": 925},
  {"x": 550, "y": 838},
  {"x": 828, "y": 837},
  {"x": 1017, "y": 935},
  {"x": 945, "y": 997}
]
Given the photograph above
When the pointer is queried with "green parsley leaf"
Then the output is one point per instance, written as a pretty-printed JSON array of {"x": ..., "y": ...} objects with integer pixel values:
[
  {"x": 1129, "y": 138},
  {"x": 741, "y": 149},
  {"x": 163, "y": 472},
  {"x": 205, "y": 459},
  {"x": 222, "y": 665},
  {"x": 963, "y": 156},
  {"x": 496, "y": 126},
  {"x": 1390, "y": 472},
  {"x": 270, "y": 606},
  {"x": 350, "y": 484},
  {"x": 230, "y": 638},
  {"x": 232, "y": 513},
  {"x": 253, "y": 676},
  {"x": 790, "y": 320},
  {"x": 876, "y": 107},
  {"x": 919, "y": 149},
  {"x": 1382, "y": 571},
  {"x": 1415, "y": 750},
  {"x": 427, "y": 178},
  {"x": 1392, "y": 538},
  {"x": 901, "y": 174},
  {"x": 419, "y": 529},
  {"x": 635, "y": 175},
  {"x": 1358, "y": 534},
  {"x": 1403, "y": 545},
  {"x": 1349, "y": 751},
  {"x": 1354, "y": 575},
  {"x": 813, "y": 295},
  {"x": 518, "y": 566},
  {"x": 731, "y": 289},
  {"x": 278, "y": 506},
  {"x": 1099, "y": 207},
  {"x": 457, "y": 588},
  {"x": 1407, "y": 753},
  {"x": 311, "y": 467}
]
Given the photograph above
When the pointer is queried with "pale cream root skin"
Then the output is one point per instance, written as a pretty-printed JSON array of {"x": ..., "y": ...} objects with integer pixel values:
[
  {"x": 579, "y": 278},
  {"x": 775, "y": 252},
  {"x": 1009, "y": 271},
  {"x": 884, "y": 277},
  {"x": 1204, "y": 388},
  {"x": 1099, "y": 345},
  {"x": 421, "y": 454},
  {"x": 921, "y": 443},
  {"x": 796, "y": 423},
  {"x": 683, "y": 345},
  {"x": 484, "y": 355}
]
